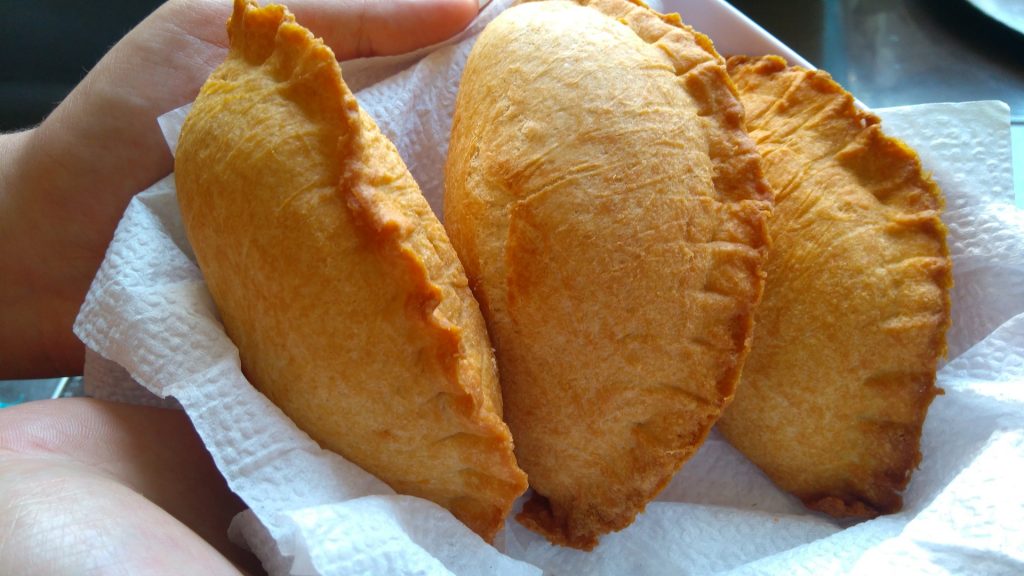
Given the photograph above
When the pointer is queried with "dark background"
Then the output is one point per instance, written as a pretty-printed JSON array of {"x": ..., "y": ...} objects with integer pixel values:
[
  {"x": 895, "y": 52},
  {"x": 886, "y": 52},
  {"x": 47, "y": 46}
]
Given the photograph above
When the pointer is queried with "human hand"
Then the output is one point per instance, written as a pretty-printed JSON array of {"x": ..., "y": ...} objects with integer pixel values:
[
  {"x": 88, "y": 486},
  {"x": 65, "y": 184}
]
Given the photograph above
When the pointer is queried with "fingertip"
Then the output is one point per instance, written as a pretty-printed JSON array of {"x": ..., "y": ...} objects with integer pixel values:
[
  {"x": 406, "y": 25},
  {"x": 358, "y": 28},
  {"x": 459, "y": 14}
]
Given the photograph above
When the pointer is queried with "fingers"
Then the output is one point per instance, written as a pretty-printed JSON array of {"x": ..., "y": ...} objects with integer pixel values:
[
  {"x": 351, "y": 28},
  {"x": 129, "y": 472}
]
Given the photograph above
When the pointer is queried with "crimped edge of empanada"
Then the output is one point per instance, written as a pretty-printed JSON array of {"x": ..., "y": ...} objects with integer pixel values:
[
  {"x": 255, "y": 32},
  {"x": 891, "y": 481},
  {"x": 737, "y": 167}
]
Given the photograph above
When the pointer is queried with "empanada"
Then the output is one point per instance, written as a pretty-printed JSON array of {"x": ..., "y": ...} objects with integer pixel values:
[
  {"x": 611, "y": 214},
  {"x": 337, "y": 283},
  {"x": 855, "y": 310}
]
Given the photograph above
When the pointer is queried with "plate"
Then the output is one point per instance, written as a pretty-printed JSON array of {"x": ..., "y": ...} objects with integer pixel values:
[
  {"x": 1009, "y": 12},
  {"x": 731, "y": 31}
]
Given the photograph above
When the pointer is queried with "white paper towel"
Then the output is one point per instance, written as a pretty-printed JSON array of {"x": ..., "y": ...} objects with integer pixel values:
[{"x": 314, "y": 513}]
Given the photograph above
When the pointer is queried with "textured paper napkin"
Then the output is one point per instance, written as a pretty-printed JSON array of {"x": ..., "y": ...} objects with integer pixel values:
[{"x": 311, "y": 512}]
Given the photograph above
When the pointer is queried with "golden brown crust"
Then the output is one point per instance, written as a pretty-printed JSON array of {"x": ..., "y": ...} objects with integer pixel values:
[
  {"x": 347, "y": 303},
  {"x": 855, "y": 311},
  {"x": 611, "y": 214}
]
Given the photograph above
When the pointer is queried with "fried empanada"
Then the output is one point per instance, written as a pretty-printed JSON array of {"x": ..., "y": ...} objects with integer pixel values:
[
  {"x": 333, "y": 277},
  {"x": 611, "y": 214},
  {"x": 856, "y": 307}
]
